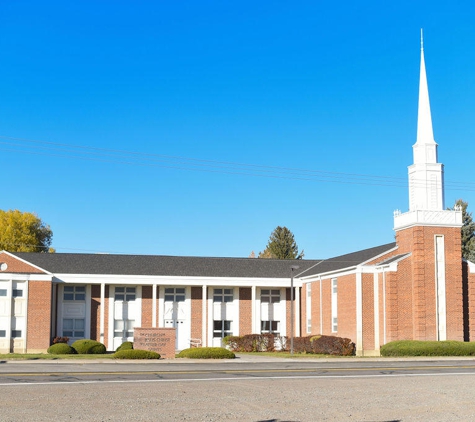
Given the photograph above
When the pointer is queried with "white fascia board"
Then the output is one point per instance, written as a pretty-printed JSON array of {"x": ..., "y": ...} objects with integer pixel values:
[
  {"x": 26, "y": 277},
  {"x": 25, "y": 262},
  {"x": 380, "y": 255},
  {"x": 329, "y": 274},
  {"x": 171, "y": 280}
]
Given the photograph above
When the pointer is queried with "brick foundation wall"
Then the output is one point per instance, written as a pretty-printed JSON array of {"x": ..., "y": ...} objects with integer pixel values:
[
  {"x": 245, "y": 311},
  {"x": 39, "y": 316}
]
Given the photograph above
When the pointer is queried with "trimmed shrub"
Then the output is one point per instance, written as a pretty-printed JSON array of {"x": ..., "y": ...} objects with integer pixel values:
[
  {"x": 89, "y": 347},
  {"x": 136, "y": 354},
  {"x": 428, "y": 348},
  {"x": 206, "y": 353},
  {"x": 126, "y": 345},
  {"x": 61, "y": 349},
  {"x": 251, "y": 343}
]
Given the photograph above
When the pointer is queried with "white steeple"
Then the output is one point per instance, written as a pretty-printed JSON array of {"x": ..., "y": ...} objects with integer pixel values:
[{"x": 426, "y": 175}]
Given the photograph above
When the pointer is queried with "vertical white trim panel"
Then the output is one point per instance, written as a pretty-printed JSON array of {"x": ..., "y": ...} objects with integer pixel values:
[
  {"x": 204, "y": 340},
  {"x": 359, "y": 312},
  {"x": 297, "y": 311},
  {"x": 154, "y": 306},
  {"x": 255, "y": 306},
  {"x": 101, "y": 317},
  {"x": 376, "y": 311},
  {"x": 441, "y": 301}
]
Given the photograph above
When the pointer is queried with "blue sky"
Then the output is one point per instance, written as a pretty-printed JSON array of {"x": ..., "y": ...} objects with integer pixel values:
[{"x": 196, "y": 128}]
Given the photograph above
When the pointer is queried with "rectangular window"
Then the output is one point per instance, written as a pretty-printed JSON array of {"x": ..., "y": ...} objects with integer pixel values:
[
  {"x": 175, "y": 294},
  {"x": 73, "y": 327},
  {"x": 222, "y": 329},
  {"x": 17, "y": 293},
  {"x": 16, "y": 333},
  {"x": 223, "y": 295},
  {"x": 270, "y": 296},
  {"x": 270, "y": 327},
  {"x": 124, "y": 294},
  {"x": 3, "y": 292},
  {"x": 124, "y": 328},
  {"x": 74, "y": 293},
  {"x": 334, "y": 305},
  {"x": 309, "y": 307},
  {"x": 3, "y": 333}
]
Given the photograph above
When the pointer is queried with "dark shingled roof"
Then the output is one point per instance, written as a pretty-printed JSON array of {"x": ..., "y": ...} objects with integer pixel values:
[
  {"x": 190, "y": 266},
  {"x": 348, "y": 260},
  {"x": 393, "y": 258},
  {"x": 159, "y": 265}
]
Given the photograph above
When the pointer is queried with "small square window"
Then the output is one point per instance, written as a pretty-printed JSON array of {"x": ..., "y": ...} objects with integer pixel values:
[
  {"x": 17, "y": 293},
  {"x": 3, "y": 292},
  {"x": 119, "y": 297},
  {"x": 3, "y": 333},
  {"x": 180, "y": 290},
  {"x": 81, "y": 289},
  {"x": 130, "y": 298},
  {"x": 80, "y": 296},
  {"x": 16, "y": 333},
  {"x": 169, "y": 290},
  {"x": 228, "y": 291},
  {"x": 169, "y": 298},
  {"x": 120, "y": 289},
  {"x": 130, "y": 290},
  {"x": 69, "y": 288},
  {"x": 68, "y": 296}
]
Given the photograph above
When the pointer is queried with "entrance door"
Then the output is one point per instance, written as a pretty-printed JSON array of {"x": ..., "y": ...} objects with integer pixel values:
[
  {"x": 125, "y": 310},
  {"x": 175, "y": 315}
]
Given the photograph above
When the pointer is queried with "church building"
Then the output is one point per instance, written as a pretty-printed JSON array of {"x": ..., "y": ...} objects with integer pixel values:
[{"x": 416, "y": 288}]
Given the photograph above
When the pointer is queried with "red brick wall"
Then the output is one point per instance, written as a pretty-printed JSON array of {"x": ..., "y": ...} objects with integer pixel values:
[
  {"x": 196, "y": 313},
  {"x": 303, "y": 311},
  {"x": 17, "y": 266},
  {"x": 245, "y": 311},
  {"x": 421, "y": 242},
  {"x": 147, "y": 306},
  {"x": 346, "y": 298},
  {"x": 39, "y": 315}
]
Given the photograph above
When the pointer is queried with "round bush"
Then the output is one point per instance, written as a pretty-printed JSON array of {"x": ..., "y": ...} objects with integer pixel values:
[
  {"x": 136, "y": 354},
  {"x": 206, "y": 353},
  {"x": 89, "y": 347},
  {"x": 61, "y": 349},
  {"x": 126, "y": 345}
]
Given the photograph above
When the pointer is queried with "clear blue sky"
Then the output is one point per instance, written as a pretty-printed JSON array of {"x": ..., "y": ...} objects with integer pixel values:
[{"x": 212, "y": 103}]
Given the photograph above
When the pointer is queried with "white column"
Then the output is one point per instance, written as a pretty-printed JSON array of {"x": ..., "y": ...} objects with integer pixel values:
[
  {"x": 359, "y": 313},
  {"x": 254, "y": 311},
  {"x": 204, "y": 339},
  {"x": 101, "y": 317},
  {"x": 154, "y": 306},
  {"x": 297, "y": 315}
]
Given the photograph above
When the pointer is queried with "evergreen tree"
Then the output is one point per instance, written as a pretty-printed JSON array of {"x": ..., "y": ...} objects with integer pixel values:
[
  {"x": 468, "y": 231},
  {"x": 281, "y": 245}
]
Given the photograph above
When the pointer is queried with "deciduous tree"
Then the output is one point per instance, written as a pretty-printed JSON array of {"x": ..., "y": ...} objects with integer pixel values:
[{"x": 24, "y": 232}]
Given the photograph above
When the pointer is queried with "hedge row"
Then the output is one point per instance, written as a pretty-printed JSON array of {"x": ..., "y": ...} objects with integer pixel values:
[
  {"x": 206, "y": 353},
  {"x": 136, "y": 354},
  {"x": 428, "y": 348},
  {"x": 325, "y": 345}
]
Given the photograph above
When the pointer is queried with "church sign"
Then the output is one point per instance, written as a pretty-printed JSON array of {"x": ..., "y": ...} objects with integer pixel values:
[{"x": 160, "y": 340}]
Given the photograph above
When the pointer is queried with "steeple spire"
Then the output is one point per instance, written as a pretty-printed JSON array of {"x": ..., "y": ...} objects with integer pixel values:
[{"x": 425, "y": 134}]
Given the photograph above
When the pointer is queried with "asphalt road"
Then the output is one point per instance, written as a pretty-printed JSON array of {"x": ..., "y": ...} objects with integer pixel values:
[{"x": 248, "y": 390}]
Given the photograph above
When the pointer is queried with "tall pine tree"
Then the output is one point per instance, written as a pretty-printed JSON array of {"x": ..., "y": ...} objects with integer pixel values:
[
  {"x": 281, "y": 245},
  {"x": 468, "y": 231}
]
